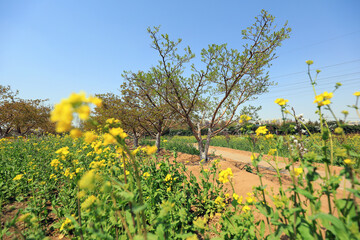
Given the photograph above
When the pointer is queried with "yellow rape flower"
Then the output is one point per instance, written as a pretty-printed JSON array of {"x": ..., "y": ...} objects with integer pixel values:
[
  {"x": 63, "y": 151},
  {"x": 62, "y": 115},
  {"x": 83, "y": 111},
  {"x": 90, "y": 137},
  {"x": 235, "y": 196},
  {"x": 272, "y": 151},
  {"x": 323, "y": 99},
  {"x": 55, "y": 163},
  {"x": 168, "y": 178},
  {"x": 261, "y": 130},
  {"x": 108, "y": 139},
  {"x": 110, "y": 120},
  {"x": 348, "y": 161},
  {"x": 224, "y": 175},
  {"x": 96, "y": 101},
  {"x": 309, "y": 62},
  {"x": 244, "y": 118},
  {"x": 220, "y": 202},
  {"x": 193, "y": 237},
  {"x": 246, "y": 208},
  {"x": 146, "y": 175},
  {"x": 269, "y": 136},
  {"x": 88, "y": 202},
  {"x": 18, "y": 177},
  {"x": 118, "y": 132},
  {"x": 357, "y": 94},
  {"x": 281, "y": 101},
  {"x": 76, "y": 98},
  {"x": 297, "y": 171},
  {"x": 250, "y": 198},
  {"x": 87, "y": 181},
  {"x": 150, "y": 149}
]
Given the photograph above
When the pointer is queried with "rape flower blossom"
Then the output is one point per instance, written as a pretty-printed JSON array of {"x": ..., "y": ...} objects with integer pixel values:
[
  {"x": 83, "y": 111},
  {"x": 18, "y": 177},
  {"x": 297, "y": 171},
  {"x": 75, "y": 133},
  {"x": 146, "y": 175},
  {"x": 63, "y": 151},
  {"x": 224, "y": 175},
  {"x": 309, "y": 62},
  {"x": 220, "y": 202},
  {"x": 168, "y": 178},
  {"x": 281, "y": 101},
  {"x": 339, "y": 130},
  {"x": 250, "y": 198},
  {"x": 90, "y": 137},
  {"x": 261, "y": 130},
  {"x": 63, "y": 112},
  {"x": 150, "y": 150},
  {"x": 245, "y": 208},
  {"x": 87, "y": 181},
  {"x": 108, "y": 139},
  {"x": 357, "y": 94},
  {"x": 345, "y": 112},
  {"x": 348, "y": 161},
  {"x": 269, "y": 136},
  {"x": 244, "y": 118},
  {"x": 272, "y": 151},
  {"x": 323, "y": 99},
  {"x": 96, "y": 101},
  {"x": 118, "y": 132},
  {"x": 88, "y": 202},
  {"x": 112, "y": 121},
  {"x": 237, "y": 198}
]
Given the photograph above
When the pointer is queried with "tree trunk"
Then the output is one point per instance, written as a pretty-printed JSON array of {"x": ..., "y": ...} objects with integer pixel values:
[
  {"x": 157, "y": 141},
  {"x": 204, "y": 147},
  {"x": 136, "y": 141}
]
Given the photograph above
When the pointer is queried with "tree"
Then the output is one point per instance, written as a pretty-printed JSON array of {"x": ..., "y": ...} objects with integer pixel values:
[
  {"x": 22, "y": 115},
  {"x": 157, "y": 115},
  {"x": 227, "y": 79},
  {"x": 113, "y": 106}
]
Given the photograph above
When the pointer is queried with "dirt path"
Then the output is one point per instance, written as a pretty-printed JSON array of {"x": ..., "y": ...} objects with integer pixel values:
[{"x": 245, "y": 157}]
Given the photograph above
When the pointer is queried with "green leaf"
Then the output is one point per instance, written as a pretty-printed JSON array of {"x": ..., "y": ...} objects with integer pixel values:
[
  {"x": 333, "y": 224},
  {"x": 306, "y": 194},
  {"x": 137, "y": 209},
  {"x": 305, "y": 231}
]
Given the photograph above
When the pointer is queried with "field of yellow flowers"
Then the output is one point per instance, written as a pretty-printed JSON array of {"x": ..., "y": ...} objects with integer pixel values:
[{"x": 87, "y": 185}]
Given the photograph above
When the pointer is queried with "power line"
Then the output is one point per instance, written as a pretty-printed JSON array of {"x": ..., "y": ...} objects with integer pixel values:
[
  {"x": 321, "y": 85},
  {"x": 273, "y": 93},
  {"x": 320, "y": 42},
  {"x": 319, "y": 80},
  {"x": 333, "y": 65}
]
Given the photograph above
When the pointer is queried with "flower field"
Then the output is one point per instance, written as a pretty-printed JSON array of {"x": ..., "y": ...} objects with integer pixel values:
[
  {"x": 265, "y": 145},
  {"x": 93, "y": 185}
]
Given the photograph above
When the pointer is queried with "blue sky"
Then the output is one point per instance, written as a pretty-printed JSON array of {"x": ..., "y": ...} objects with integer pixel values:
[{"x": 49, "y": 49}]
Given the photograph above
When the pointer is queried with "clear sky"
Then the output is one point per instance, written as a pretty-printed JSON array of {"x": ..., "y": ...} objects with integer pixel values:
[{"x": 49, "y": 49}]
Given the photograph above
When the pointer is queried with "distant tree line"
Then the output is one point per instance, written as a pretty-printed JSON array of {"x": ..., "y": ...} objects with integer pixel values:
[{"x": 19, "y": 117}]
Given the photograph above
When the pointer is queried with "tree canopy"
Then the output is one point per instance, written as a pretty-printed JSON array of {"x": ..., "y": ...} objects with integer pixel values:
[
  {"x": 21, "y": 116},
  {"x": 226, "y": 79}
]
